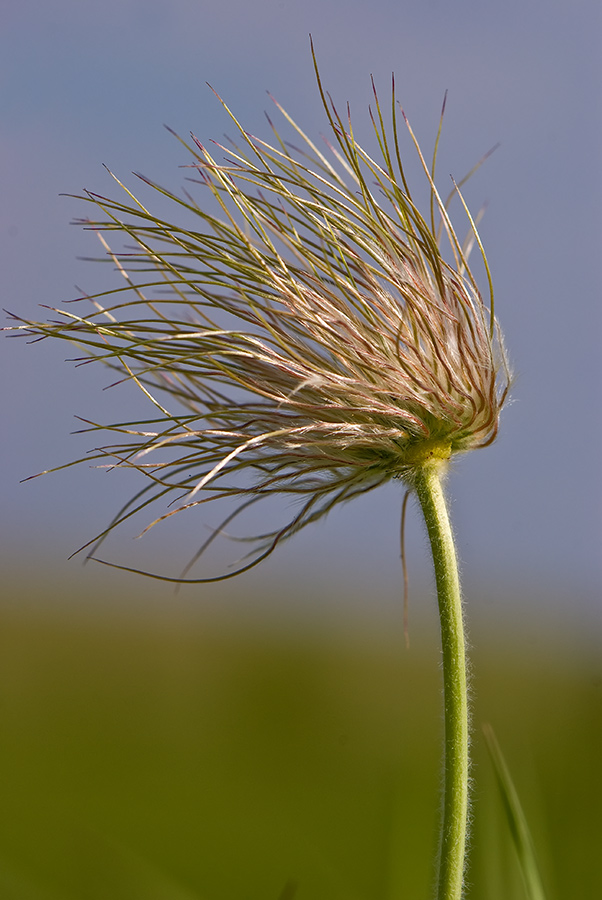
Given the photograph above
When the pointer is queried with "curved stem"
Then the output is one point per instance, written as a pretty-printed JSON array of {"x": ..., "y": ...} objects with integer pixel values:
[{"x": 427, "y": 483}]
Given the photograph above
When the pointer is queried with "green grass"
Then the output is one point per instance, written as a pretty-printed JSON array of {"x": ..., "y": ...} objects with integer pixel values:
[{"x": 178, "y": 758}]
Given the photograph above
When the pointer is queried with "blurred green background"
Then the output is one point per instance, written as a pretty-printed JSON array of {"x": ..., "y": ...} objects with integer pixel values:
[{"x": 174, "y": 751}]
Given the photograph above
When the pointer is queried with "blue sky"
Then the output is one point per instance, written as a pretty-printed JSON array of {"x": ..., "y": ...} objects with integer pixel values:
[{"x": 85, "y": 83}]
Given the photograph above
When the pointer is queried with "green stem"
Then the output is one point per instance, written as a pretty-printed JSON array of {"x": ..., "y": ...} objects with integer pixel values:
[{"x": 428, "y": 487}]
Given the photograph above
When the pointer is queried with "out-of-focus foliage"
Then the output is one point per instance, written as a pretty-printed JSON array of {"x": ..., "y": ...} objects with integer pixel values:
[{"x": 168, "y": 756}]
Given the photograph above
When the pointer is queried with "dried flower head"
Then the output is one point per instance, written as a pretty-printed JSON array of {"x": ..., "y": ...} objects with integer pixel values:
[{"x": 310, "y": 339}]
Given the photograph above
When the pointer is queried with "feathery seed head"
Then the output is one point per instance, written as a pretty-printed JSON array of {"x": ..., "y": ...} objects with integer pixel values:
[{"x": 311, "y": 334}]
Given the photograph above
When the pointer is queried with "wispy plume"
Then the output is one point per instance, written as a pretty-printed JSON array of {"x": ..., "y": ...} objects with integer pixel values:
[{"x": 314, "y": 336}]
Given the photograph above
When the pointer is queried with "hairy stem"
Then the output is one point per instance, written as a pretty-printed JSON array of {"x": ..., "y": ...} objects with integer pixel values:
[{"x": 429, "y": 489}]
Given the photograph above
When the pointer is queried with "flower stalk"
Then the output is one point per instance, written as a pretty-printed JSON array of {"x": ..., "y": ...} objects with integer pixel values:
[{"x": 429, "y": 490}]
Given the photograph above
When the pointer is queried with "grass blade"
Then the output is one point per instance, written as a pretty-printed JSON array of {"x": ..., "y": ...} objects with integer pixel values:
[{"x": 519, "y": 829}]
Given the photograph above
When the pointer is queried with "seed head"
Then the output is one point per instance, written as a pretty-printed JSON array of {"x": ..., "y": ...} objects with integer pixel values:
[{"x": 310, "y": 337}]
